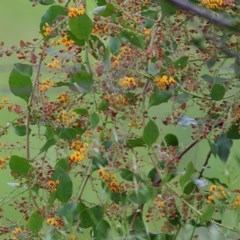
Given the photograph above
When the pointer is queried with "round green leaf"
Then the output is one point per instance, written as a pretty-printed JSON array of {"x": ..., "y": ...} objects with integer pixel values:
[
  {"x": 52, "y": 15},
  {"x": 19, "y": 165},
  {"x": 20, "y": 82},
  {"x": 81, "y": 26},
  {"x": 69, "y": 212},
  {"x": 150, "y": 133},
  {"x": 90, "y": 216},
  {"x": 114, "y": 44},
  {"x": 101, "y": 230},
  {"x": 46, "y": 2},
  {"x": 159, "y": 97},
  {"x": 171, "y": 140},
  {"x": 35, "y": 222},
  {"x": 217, "y": 92},
  {"x": 82, "y": 81},
  {"x": 65, "y": 186},
  {"x": 20, "y": 130},
  {"x": 94, "y": 119},
  {"x": 127, "y": 174}
]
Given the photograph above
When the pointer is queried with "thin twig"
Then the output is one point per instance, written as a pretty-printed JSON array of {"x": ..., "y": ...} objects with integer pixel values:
[
  {"x": 180, "y": 155},
  {"x": 205, "y": 164},
  {"x": 81, "y": 189}
]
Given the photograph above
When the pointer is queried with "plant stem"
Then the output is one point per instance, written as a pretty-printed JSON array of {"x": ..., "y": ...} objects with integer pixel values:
[
  {"x": 81, "y": 189},
  {"x": 205, "y": 164}
]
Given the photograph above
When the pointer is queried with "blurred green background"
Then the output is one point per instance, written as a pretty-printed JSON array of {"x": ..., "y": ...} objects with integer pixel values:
[{"x": 20, "y": 21}]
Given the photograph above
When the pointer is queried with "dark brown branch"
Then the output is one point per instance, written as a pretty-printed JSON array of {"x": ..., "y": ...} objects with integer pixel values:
[
  {"x": 207, "y": 14},
  {"x": 205, "y": 164}
]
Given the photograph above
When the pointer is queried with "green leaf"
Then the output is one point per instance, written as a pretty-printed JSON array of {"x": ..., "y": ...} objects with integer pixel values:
[
  {"x": 46, "y": 2},
  {"x": 222, "y": 147},
  {"x": 127, "y": 174},
  {"x": 153, "y": 69},
  {"x": 237, "y": 65},
  {"x": 69, "y": 212},
  {"x": 64, "y": 164},
  {"x": 189, "y": 187},
  {"x": 101, "y": 2},
  {"x": 81, "y": 26},
  {"x": 135, "y": 142},
  {"x": 19, "y": 165},
  {"x": 207, "y": 213},
  {"x": 233, "y": 132},
  {"x": 101, "y": 230},
  {"x": 98, "y": 162},
  {"x": 150, "y": 16},
  {"x": 69, "y": 133},
  {"x": 159, "y": 97},
  {"x": 90, "y": 216},
  {"x": 20, "y": 81},
  {"x": 82, "y": 81},
  {"x": 150, "y": 133},
  {"x": 49, "y": 143},
  {"x": 105, "y": 11},
  {"x": 114, "y": 45},
  {"x": 52, "y": 15},
  {"x": 35, "y": 222},
  {"x": 171, "y": 140},
  {"x": 81, "y": 111},
  {"x": 168, "y": 9},
  {"x": 181, "y": 62},
  {"x": 24, "y": 69},
  {"x": 217, "y": 92},
  {"x": 65, "y": 186},
  {"x": 133, "y": 38},
  {"x": 143, "y": 195},
  {"x": 94, "y": 119},
  {"x": 187, "y": 177},
  {"x": 20, "y": 130}
]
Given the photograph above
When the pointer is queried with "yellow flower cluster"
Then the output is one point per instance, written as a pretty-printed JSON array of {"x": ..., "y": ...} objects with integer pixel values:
[
  {"x": 47, "y": 30},
  {"x": 64, "y": 98},
  {"x": 75, "y": 12},
  {"x": 54, "y": 64},
  {"x": 45, "y": 85},
  {"x": 127, "y": 82},
  {"x": 158, "y": 201},
  {"x": 80, "y": 151},
  {"x": 52, "y": 185},
  {"x": 55, "y": 222},
  {"x": 212, "y": 4},
  {"x": 66, "y": 118},
  {"x": 236, "y": 202},
  {"x": 111, "y": 181},
  {"x": 216, "y": 192},
  {"x": 147, "y": 32},
  {"x": 66, "y": 41},
  {"x": 116, "y": 100},
  {"x": 164, "y": 82},
  {"x": 19, "y": 233},
  {"x": 2, "y": 162},
  {"x": 4, "y": 100}
]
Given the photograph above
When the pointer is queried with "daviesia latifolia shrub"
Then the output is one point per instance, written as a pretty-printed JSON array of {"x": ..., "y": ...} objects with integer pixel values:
[{"x": 124, "y": 113}]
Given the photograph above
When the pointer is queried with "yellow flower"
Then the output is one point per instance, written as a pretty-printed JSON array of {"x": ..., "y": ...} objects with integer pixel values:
[
  {"x": 236, "y": 202},
  {"x": 127, "y": 82},
  {"x": 47, "y": 30},
  {"x": 164, "y": 82},
  {"x": 54, "y": 64},
  {"x": 212, "y": 4},
  {"x": 75, "y": 12},
  {"x": 4, "y": 99}
]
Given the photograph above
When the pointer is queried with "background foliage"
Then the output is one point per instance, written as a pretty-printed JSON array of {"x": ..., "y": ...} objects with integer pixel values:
[{"x": 125, "y": 114}]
